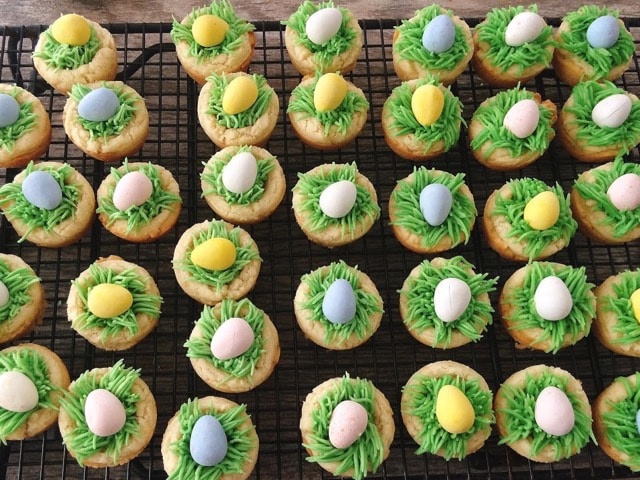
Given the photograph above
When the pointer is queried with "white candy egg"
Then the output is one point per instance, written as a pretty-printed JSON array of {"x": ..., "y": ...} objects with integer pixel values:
[
  {"x": 553, "y": 412},
  {"x": 239, "y": 175},
  {"x": 4, "y": 294},
  {"x": 232, "y": 338},
  {"x": 552, "y": 299},
  {"x": 17, "y": 392},
  {"x": 612, "y": 111},
  {"x": 523, "y": 28},
  {"x": 323, "y": 24},
  {"x": 522, "y": 118},
  {"x": 624, "y": 192},
  {"x": 451, "y": 298},
  {"x": 133, "y": 189},
  {"x": 337, "y": 199}
]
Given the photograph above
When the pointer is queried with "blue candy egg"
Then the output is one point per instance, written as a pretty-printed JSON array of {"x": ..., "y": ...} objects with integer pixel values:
[
  {"x": 435, "y": 203},
  {"x": 9, "y": 110},
  {"x": 339, "y": 303},
  {"x": 638, "y": 420},
  {"x": 42, "y": 190},
  {"x": 439, "y": 34},
  {"x": 99, "y": 105},
  {"x": 603, "y": 32},
  {"x": 208, "y": 444}
]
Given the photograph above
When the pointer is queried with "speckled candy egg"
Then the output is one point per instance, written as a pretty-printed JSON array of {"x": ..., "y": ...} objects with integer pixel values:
[
  {"x": 4, "y": 294},
  {"x": 522, "y": 118},
  {"x": 454, "y": 410},
  {"x": 209, "y": 30},
  {"x": 612, "y": 111},
  {"x": 337, "y": 199},
  {"x": 553, "y": 412},
  {"x": 451, "y": 298},
  {"x": 624, "y": 192},
  {"x": 241, "y": 93},
  {"x": 108, "y": 300},
  {"x": 239, "y": 175},
  {"x": 9, "y": 110},
  {"x": 42, "y": 190},
  {"x": 435, "y": 203},
  {"x": 99, "y": 105},
  {"x": 132, "y": 190},
  {"x": 232, "y": 338},
  {"x": 329, "y": 92},
  {"x": 339, "y": 302},
  {"x": 348, "y": 422},
  {"x": 323, "y": 25},
  {"x": 603, "y": 32},
  {"x": 18, "y": 393},
  {"x": 542, "y": 211},
  {"x": 214, "y": 254},
  {"x": 439, "y": 34},
  {"x": 72, "y": 29},
  {"x": 552, "y": 299},
  {"x": 427, "y": 103},
  {"x": 104, "y": 413},
  {"x": 523, "y": 28},
  {"x": 635, "y": 304},
  {"x": 208, "y": 444}
]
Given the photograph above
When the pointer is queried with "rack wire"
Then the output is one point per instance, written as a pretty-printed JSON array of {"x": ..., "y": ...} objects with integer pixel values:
[{"x": 148, "y": 63}]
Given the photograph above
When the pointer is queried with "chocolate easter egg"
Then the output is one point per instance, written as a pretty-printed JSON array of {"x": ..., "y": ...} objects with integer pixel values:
[
  {"x": 132, "y": 190},
  {"x": 108, "y": 300},
  {"x": 552, "y": 299},
  {"x": 348, "y": 422},
  {"x": 9, "y": 110},
  {"x": 635, "y": 304},
  {"x": 208, "y": 444},
  {"x": 4, "y": 294},
  {"x": 553, "y": 412},
  {"x": 454, "y": 410},
  {"x": 435, "y": 203},
  {"x": 42, "y": 190},
  {"x": 542, "y": 211},
  {"x": 329, "y": 92},
  {"x": 339, "y": 302},
  {"x": 611, "y": 111},
  {"x": 522, "y": 118},
  {"x": 322, "y": 25},
  {"x": 239, "y": 175},
  {"x": 214, "y": 254},
  {"x": 603, "y": 32},
  {"x": 232, "y": 338},
  {"x": 99, "y": 105},
  {"x": 209, "y": 30},
  {"x": 624, "y": 192},
  {"x": 18, "y": 393},
  {"x": 523, "y": 28},
  {"x": 439, "y": 34},
  {"x": 427, "y": 103},
  {"x": 241, "y": 93},
  {"x": 71, "y": 29},
  {"x": 338, "y": 198},
  {"x": 104, "y": 413},
  {"x": 451, "y": 298}
]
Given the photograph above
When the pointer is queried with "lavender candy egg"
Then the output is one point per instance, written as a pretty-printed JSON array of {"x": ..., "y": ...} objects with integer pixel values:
[
  {"x": 439, "y": 34},
  {"x": 638, "y": 421},
  {"x": 208, "y": 444},
  {"x": 104, "y": 413},
  {"x": 435, "y": 203},
  {"x": 42, "y": 190},
  {"x": 9, "y": 110},
  {"x": 133, "y": 189},
  {"x": 348, "y": 422},
  {"x": 99, "y": 105},
  {"x": 232, "y": 338},
  {"x": 339, "y": 302},
  {"x": 553, "y": 412},
  {"x": 624, "y": 192},
  {"x": 603, "y": 32}
]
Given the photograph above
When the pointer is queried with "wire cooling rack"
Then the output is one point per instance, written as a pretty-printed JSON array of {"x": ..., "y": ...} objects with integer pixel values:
[{"x": 148, "y": 63}]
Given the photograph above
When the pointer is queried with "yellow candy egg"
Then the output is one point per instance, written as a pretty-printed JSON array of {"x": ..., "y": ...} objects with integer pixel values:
[
  {"x": 239, "y": 95},
  {"x": 542, "y": 211},
  {"x": 330, "y": 92},
  {"x": 72, "y": 29},
  {"x": 107, "y": 300},
  {"x": 454, "y": 410},
  {"x": 214, "y": 254},
  {"x": 427, "y": 103},
  {"x": 209, "y": 30},
  {"x": 635, "y": 304}
]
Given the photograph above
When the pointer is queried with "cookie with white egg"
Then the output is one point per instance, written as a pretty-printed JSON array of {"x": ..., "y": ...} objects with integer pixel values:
[
  {"x": 432, "y": 211},
  {"x": 547, "y": 306},
  {"x": 113, "y": 304},
  {"x": 526, "y": 220},
  {"x": 214, "y": 260},
  {"x": 50, "y": 204},
  {"x": 347, "y": 426},
  {"x": 107, "y": 417},
  {"x": 447, "y": 408},
  {"x": 139, "y": 202},
  {"x": 233, "y": 346},
  {"x": 213, "y": 39},
  {"x": 543, "y": 414},
  {"x": 445, "y": 304},
  {"x": 32, "y": 380},
  {"x": 75, "y": 50},
  {"x": 210, "y": 437},
  {"x": 512, "y": 129},
  {"x": 243, "y": 184},
  {"x": 334, "y": 204}
]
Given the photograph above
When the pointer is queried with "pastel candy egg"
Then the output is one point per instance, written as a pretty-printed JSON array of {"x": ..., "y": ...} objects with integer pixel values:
[
  {"x": 18, "y": 393},
  {"x": 239, "y": 175},
  {"x": 323, "y": 25},
  {"x": 552, "y": 299},
  {"x": 99, "y": 105},
  {"x": 542, "y": 211},
  {"x": 232, "y": 338},
  {"x": 523, "y": 28},
  {"x": 214, "y": 254},
  {"x": 451, "y": 298},
  {"x": 435, "y": 203},
  {"x": 624, "y": 192},
  {"x": 104, "y": 413},
  {"x": 454, "y": 410},
  {"x": 635, "y": 304},
  {"x": 611, "y": 111},
  {"x": 329, "y": 92},
  {"x": 208, "y": 444},
  {"x": 209, "y": 30},
  {"x": 348, "y": 422},
  {"x": 9, "y": 110},
  {"x": 427, "y": 103},
  {"x": 339, "y": 302},
  {"x": 553, "y": 412},
  {"x": 240, "y": 94},
  {"x": 71, "y": 29},
  {"x": 522, "y": 118},
  {"x": 337, "y": 199},
  {"x": 603, "y": 32},
  {"x": 108, "y": 300},
  {"x": 439, "y": 34},
  {"x": 4, "y": 294},
  {"x": 132, "y": 190},
  {"x": 42, "y": 190},
  {"x": 638, "y": 421}
]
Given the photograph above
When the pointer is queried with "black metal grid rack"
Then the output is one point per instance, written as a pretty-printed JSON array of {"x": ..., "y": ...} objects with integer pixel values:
[{"x": 148, "y": 63}]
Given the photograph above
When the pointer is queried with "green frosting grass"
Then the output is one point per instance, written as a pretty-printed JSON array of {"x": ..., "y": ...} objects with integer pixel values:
[
  {"x": 601, "y": 59},
  {"x": 242, "y": 119},
  {"x": 420, "y": 291},
  {"x": 61, "y": 56},
  {"x": 367, "y": 452},
  {"x": 406, "y": 199},
  {"x": 18, "y": 282},
  {"x": 34, "y": 217},
  {"x": 25, "y": 122},
  {"x": 620, "y": 305},
  {"x": 232, "y": 39}
]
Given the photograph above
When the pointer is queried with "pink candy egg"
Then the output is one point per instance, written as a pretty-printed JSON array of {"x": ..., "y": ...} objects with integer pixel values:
[
  {"x": 133, "y": 189},
  {"x": 522, "y": 118},
  {"x": 348, "y": 422},
  {"x": 232, "y": 339},
  {"x": 104, "y": 413},
  {"x": 553, "y": 412},
  {"x": 624, "y": 192}
]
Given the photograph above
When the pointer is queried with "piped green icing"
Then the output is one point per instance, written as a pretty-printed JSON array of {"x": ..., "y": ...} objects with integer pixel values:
[
  {"x": 406, "y": 199},
  {"x": 33, "y": 365},
  {"x": 25, "y": 122},
  {"x": 601, "y": 59},
  {"x": 525, "y": 316},
  {"x": 118, "y": 380},
  {"x": 421, "y": 403},
  {"x": 446, "y": 129},
  {"x": 240, "y": 443},
  {"x": 367, "y": 452},
  {"x": 519, "y": 416},
  {"x": 409, "y": 43},
  {"x": 243, "y": 365},
  {"x": 137, "y": 216},
  {"x": 419, "y": 294},
  {"x": 34, "y": 217},
  {"x": 61, "y": 56},
  {"x": 619, "y": 304},
  {"x": 243, "y": 119},
  {"x": 18, "y": 283},
  {"x": 491, "y": 117},
  {"x": 504, "y": 56},
  {"x": 212, "y": 176},
  {"x": 323, "y": 54},
  {"x": 367, "y": 303},
  {"x": 219, "y": 278},
  {"x": 311, "y": 186},
  {"x": 232, "y": 39},
  {"x": 535, "y": 241},
  {"x": 144, "y": 303}
]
